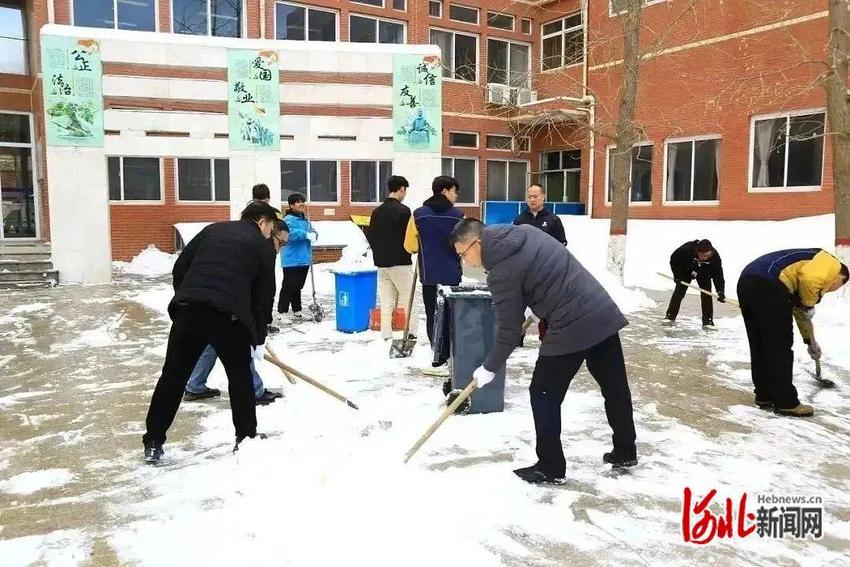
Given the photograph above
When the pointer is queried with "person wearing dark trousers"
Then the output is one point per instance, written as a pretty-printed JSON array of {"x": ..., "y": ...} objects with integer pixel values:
[
  {"x": 296, "y": 257},
  {"x": 428, "y": 234},
  {"x": 583, "y": 325},
  {"x": 538, "y": 216},
  {"x": 696, "y": 260},
  {"x": 773, "y": 290},
  {"x": 223, "y": 296}
]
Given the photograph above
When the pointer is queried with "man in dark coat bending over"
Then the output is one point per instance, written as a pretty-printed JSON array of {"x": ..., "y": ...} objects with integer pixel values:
[
  {"x": 696, "y": 260},
  {"x": 584, "y": 324}
]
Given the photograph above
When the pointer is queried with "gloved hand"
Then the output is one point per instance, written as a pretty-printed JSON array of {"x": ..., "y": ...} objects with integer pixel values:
[
  {"x": 721, "y": 297},
  {"x": 482, "y": 377},
  {"x": 814, "y": 350},
  {"x": 257, "y": 352},
  {"x": 530, "y": 313},
  {"x": 311, "y": 236},
  {"x": 694, "y": 274}
]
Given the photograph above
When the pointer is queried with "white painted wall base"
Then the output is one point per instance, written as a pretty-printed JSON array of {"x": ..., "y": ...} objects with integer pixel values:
[
  {"x": 616, "y": 262},
  {"x": 419, "y": 170},
  {"x": 248, "y": 169}
]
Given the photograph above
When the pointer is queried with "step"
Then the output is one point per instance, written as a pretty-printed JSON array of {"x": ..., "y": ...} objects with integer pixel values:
[
  {"x": 25, "y": 265},
  {"x": 28, "y": 276},
  {"x": 26, "y": 285},
  {"x": 7, "y": 247}
]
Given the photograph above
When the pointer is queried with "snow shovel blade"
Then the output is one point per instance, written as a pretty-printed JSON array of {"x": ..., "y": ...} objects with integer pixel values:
[
  {"x": 822, "y": 382},
  {"x": 402, "y": 348},
  {"x": 317, "y": 312}
]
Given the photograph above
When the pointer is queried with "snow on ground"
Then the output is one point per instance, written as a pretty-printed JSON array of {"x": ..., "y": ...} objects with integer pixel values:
[
  {"x": 28, "y": 483},
  {"x": 149, "y": 262}
]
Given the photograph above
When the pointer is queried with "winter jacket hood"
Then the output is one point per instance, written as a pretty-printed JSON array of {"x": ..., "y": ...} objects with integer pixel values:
[{"x": 439, "y": 203}]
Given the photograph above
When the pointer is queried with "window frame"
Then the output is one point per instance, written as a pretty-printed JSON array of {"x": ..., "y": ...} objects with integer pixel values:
[
  {"x": 787, "y": 115},
  {"x": 564, "y": 170},
  {"x": 123, "y": 201},
  {"x": 608, "y": 148},
  {"x": 212, "y": 200},
  {"x": 454, "y": 52},
  {"x": 477, "y": 140},
  {"x": 243, "y": 31},
  {"x": 383, "y": 4},
  {"x": 477, "y": 176},
  {"x": 309, "y": 176},
  {"x": 377, "y": 163},
  {"x": 489, "y": 149},
  {"x": 477, "y": 12},
  {"x": 156, "y": 11},
  {"x": 496, "y": 13},
  {"x": 613, "y": 14},
  {"x": 508, "y": 71},
  {"x": 563, "y": 34},
  {"x": 25, "y": 21},
  {"x": 440, "y": 3},
  {"x": 507, "y": 176},
  {"x": 518, "y": 148},
  {"x": 392, "y": 2},
  {"x": 308, "y": 7},
  {"x": 690, "y": 203},
  {"x": 34, "y": 156},
  {"x": 378, "y": 20}
]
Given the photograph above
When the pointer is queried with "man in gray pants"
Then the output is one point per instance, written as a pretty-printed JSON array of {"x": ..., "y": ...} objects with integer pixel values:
[{"x": 528, "y": 268}]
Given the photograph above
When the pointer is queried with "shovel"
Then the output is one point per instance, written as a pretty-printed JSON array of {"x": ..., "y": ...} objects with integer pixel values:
[
  {"x": 692, "y": 285},
  {"x": 822, "y": 382},
  {"x": 315, "y": 309},
  {"x": 402, "y": 348},
  {"x": 460, "y": 399},
  {"x": 288, "y": 370}
]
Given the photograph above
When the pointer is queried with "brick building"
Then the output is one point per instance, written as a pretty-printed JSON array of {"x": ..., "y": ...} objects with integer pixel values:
[{"x": 732, "y": 119}]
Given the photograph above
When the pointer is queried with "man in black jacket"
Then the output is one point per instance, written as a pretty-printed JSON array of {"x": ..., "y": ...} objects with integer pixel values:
[
  {"x": 537, "y": 215},
  {"x": 697, "y": 260},
  {"x": 224, "y": 286},
  {"x": 387, "y": 227}
]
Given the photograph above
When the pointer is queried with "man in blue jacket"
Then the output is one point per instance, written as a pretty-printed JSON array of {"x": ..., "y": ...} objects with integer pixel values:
[
  {"x": 428, "y": 234},
  {"x": 296, "y": 256}
]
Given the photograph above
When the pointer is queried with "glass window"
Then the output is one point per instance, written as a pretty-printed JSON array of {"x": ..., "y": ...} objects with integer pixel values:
[
  {"x": 13, "y": 41},
  {"x": 15, "y": 128},
  {"x": 113, "y": 175},
  {"x": 500, "y": 21},
  {"x": 316, "y": 180},
  {"x": 693, "y": 170},
  {"x": 369, "y": 181},
  {"x": 506, "y": 180},
  {"x": 134, "y": 179},
  {"x": 219, "y": 18},
  {"x": 499, "y": 142},
  {"x": 378, "y": 3},
  {"x": 435, "y": 9},
  {"x": 321, "y": 25},
  {"x": 463, "y": 14},
  {"x": 640, "y": 173},
  {"x": 788, "y": 151},
  {"x": 507, "y": 63},
  {"x": 524, "y": 144},
  {"x": 560, "y": 175},
  {"x": 463, "y": 140},
  {"x": 323, "y": 181},
  {"x": 400, "y": 5},
  {"x": 464, "y": 170},
  {"x": 298, "y": 23},
  {"x": 293, "y": 178},
  {"x": 363, "y": 29},
  {"x": 526, "y": 26},
  {"x": 196, "y": 179},
  {"x": 138, "y": 15},
  {"x": 222, "y": 179},
  {"x": 460, "y": 54},
  {"x": 17, "y": 193},
  {"x": 390, "y": 32},
  {"x": 562, "y": 42}
]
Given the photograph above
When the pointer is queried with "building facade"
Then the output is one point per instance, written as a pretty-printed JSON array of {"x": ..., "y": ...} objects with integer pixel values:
[{"x": 731, "y": 116}]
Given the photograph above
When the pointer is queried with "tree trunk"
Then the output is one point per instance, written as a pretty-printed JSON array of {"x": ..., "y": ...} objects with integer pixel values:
[
  {"x": 625, "y": 139},
  {"x": 838, "y": 111}
]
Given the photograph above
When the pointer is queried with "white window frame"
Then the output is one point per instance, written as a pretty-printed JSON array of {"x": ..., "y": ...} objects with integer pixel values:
[
  {"x": 691, "y": 203},
  {"x": 608, "y": 149},
  {"x": 477, "y": 11},
  {"x": 377, "y": 163},
  {"x": 212, "y": 200},
  {"x": 613, "y": 14},
  {"x": 440, "y": 17},
  {"x": 530, "y": 26},
  {"x": 477, "y": 140},
  {"x": 489, "y": 149},
  {"x": 31, "y": 145},
  {"x": 507, "y": 175},
  {"x": 477, "y": 176},
  {"x": 383, "y": 4},
  {"x": 564, "y": 170},
  {"x": 309, "y": 175},
  {"x": 497, "y": 13},
  {"x": 392, "y": 5},
  {"x": 786, "y": 189},
  {"x": 243, "y": 32},
  {"x": 115, "y": 17},
  {"x": 307, "y": 7},
  {"x": 454, "y": 53},
  {"x": 563, "y": 33},
  {"x": 509, "y": 42},
  {"x": 516, "y": 146},
  {"x": 377, "y": 28},
  {"x": 133, "y": 202}
]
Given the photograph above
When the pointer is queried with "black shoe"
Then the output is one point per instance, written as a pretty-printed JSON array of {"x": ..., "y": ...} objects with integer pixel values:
[
  {"x": 534, "y": 475},
  {"x": 708, "y": 324},
  {"x": 620, "y": 459},
  {"x": 207, "y": 393},
  {"x": 265, "y": 399},
  {"x": 764, "y": 404},
  {"x": 240, "y": 438},
  {"x": 275, "y": 395},
  {"x": 153, "y": 452},
  {"x": 272, "y": 329}
]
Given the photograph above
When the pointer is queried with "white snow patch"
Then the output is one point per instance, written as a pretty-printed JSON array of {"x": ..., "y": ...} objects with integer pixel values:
[
  {"x": 150, "y": 262},
  {"x": 31, "y": 308},
  {"x": 55, "y": 549},
  {"x": 30, "y": 482}
]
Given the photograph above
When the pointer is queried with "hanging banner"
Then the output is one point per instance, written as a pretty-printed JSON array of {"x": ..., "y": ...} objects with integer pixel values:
[
  {"x": 417, "y": 103},
  {"x": 253, "y": 101},
  {"x": 73, "y": 91}
]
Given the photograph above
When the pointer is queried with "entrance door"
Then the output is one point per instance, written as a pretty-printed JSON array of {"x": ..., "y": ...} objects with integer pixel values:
[{"x": 17, "y": 187}]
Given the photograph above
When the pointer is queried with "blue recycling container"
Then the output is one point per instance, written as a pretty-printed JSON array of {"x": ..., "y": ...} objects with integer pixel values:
[{"x": 356, "y": 296}]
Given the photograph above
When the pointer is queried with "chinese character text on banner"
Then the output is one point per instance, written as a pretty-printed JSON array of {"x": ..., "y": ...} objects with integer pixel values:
[
  {"x": 253, "y": 100},
  {"x": 73, "y": 93},
  {"x": 417, "y": 103}
]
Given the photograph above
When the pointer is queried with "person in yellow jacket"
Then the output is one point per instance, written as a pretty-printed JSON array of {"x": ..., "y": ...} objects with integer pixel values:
[{"x": 772, "y": 290}]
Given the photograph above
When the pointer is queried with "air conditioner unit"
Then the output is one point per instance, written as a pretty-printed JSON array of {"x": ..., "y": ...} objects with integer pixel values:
[
  {"x": 498, "y": 94},
  {"x": 525, "y": 96}
]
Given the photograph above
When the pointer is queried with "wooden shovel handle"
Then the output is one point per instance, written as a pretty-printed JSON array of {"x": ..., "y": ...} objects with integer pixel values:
[
  {"x": 443, "y": 416},
  {"x": 271, "y": 357}
]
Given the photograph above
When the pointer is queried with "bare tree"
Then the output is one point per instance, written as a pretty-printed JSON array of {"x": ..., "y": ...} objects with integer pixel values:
[{"x": 838, "y": 111}]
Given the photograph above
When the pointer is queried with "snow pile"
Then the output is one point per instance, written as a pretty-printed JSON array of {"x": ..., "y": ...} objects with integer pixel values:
[
  {"x": 150, "y": 262},
  {"x": 338, "y": 233},
  {"x": 30, "y": 482}
]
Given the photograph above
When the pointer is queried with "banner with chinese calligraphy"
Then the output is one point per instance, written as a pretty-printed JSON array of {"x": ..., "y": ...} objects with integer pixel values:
[
  {"x": 253, "y": 100},
  {"x": 73, "y": 91},
  {"x": 417, "y": 103}
]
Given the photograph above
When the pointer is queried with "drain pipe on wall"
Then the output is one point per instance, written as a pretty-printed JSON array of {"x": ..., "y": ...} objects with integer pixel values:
[
  {"x": 590, "y": 100},
  {"x": 262, "y": 19}
]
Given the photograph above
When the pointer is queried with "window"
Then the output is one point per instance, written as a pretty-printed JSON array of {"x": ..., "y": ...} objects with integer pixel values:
[
  {"x": 788, "y": 151},
  {"x": 363, "y": 29},
  {"x": 460, "y": 54},
  {"x": 523, "y": 144},
  {"x": 134, "y": 179},
  {"x": 465, "y": 170},
  {"x": 207, "y": 17},
  {"x": 13, "y": 41},
  {"x": 502, "y": 143},
  {"x": 17, "y": 187},
  {"x": 369, "y": 181},
  {"x": 507, "y": 63},
  {"x": 315, "y": 179},
  {"x": 560, "y": 173},
  {"x": 463, "y": 14},
  {"x": 526, "y": 26},
  {"x": 300, "y": 24},
  {"x": 563, "y": 42},
  {"x": 378, "y": 3},
  {"x": 641, "y": 174},
  {"x": 506, "y": 180},
  {"x": 463, "y": 140},
  {"x": 203, "y": 179},
  {"x": 693, "y": 170},
  {"x": 400, "y": 5},
  {"x": 138, "y": 15},
  {"x": 435, "y": 9},
  {"x": 500, "y": 21}
]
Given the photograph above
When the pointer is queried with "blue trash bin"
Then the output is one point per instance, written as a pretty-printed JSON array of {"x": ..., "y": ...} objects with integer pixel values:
[{"x": 356, "y": 296}]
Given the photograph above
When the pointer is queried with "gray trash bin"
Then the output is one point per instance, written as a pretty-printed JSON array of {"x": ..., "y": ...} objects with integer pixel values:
[{"x": 472, "y": 329}]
